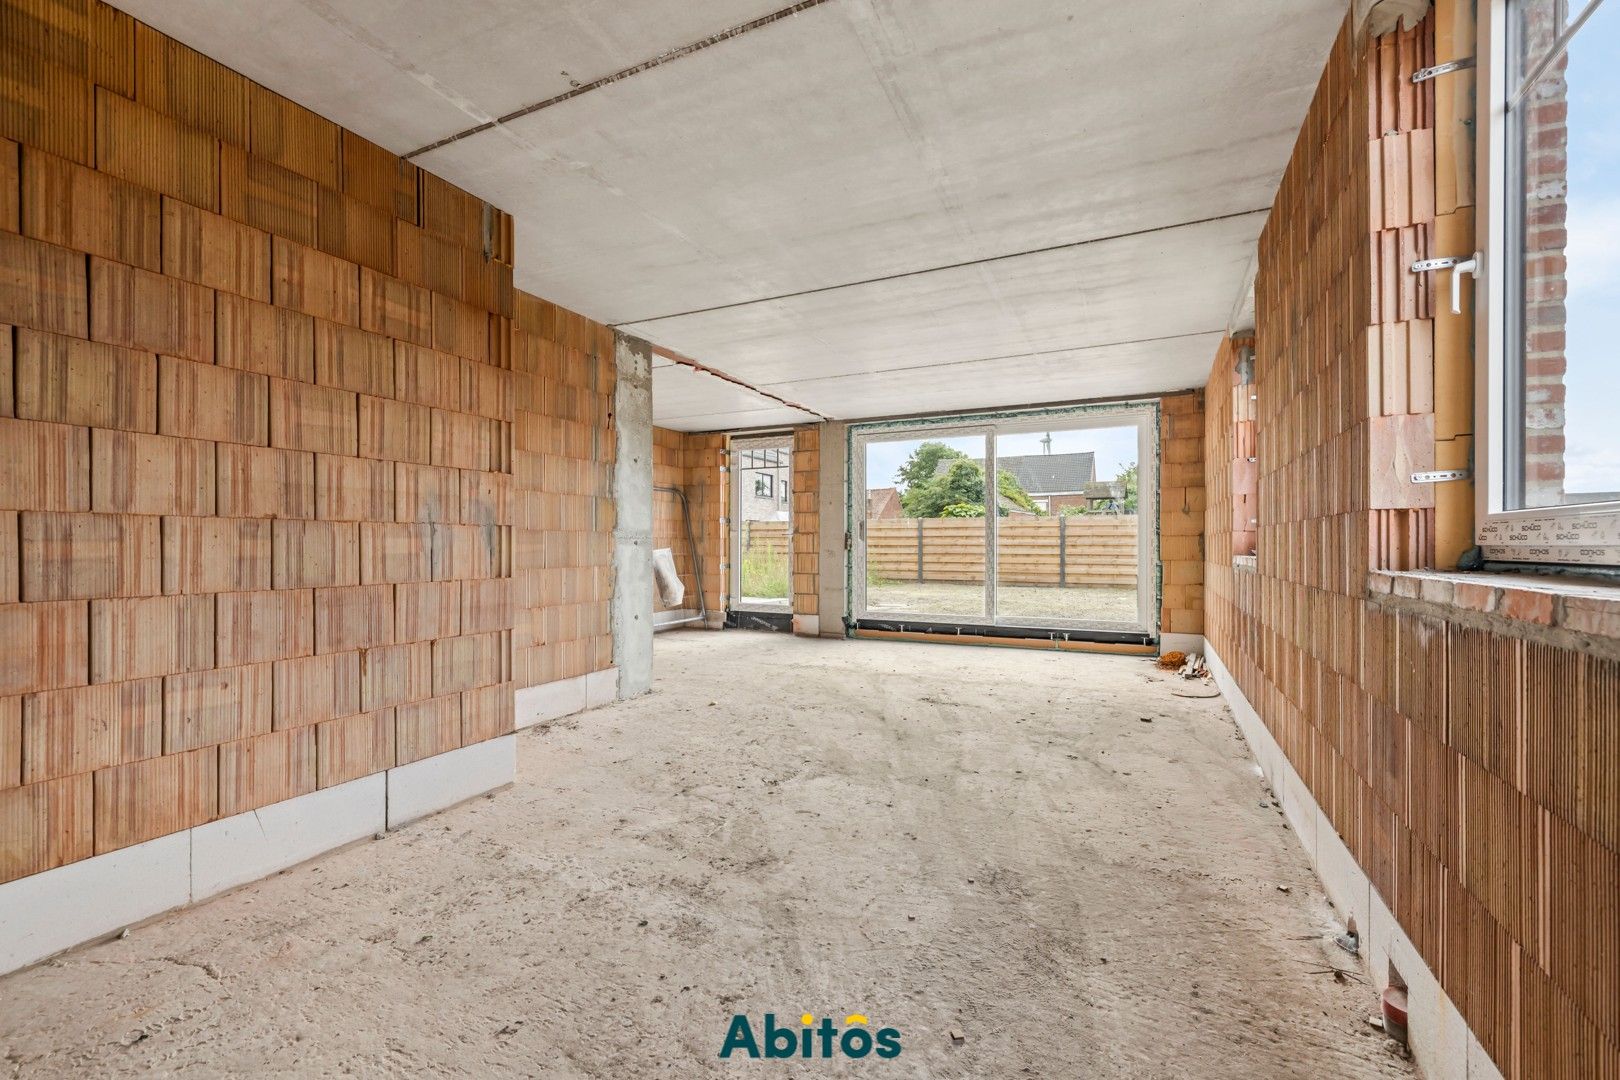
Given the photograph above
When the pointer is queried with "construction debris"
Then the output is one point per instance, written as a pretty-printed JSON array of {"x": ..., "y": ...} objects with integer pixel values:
[{"x": 1172, "y": 661}]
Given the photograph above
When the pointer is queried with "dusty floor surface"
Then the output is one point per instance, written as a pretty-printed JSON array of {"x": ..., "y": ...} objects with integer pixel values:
[
  {"x": 1048, "y": 852},
  {"x": 1096, "y": 603}
]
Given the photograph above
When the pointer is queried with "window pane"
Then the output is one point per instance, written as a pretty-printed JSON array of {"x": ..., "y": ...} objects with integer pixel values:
[
  {"x": 1568, "y": 133},
  {"x": 1068, "y": 543},
  {"x": 925, "y": 528},
  {"x": 1536, "y": 24}
]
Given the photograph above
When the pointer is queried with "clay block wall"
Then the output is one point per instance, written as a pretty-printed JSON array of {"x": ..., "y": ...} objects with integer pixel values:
[
  {"x": 806, "y": 541},
  {"x": 703, "y": 457},
  {"x": 1181, "y": 512},
  {"x": 255, "y": 484},
  {"x": 563, "y": 515},
  {"x": 669, "y": 526},
  {"x": 1466, "y": 764},
  {"x": 1398, "y": 322},
  {"x": 693, "y": 463},
  {"x": 1236, "y": 413}
]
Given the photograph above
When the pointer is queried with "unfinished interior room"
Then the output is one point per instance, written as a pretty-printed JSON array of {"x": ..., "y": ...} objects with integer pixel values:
[{"x": 913, "y": 538}]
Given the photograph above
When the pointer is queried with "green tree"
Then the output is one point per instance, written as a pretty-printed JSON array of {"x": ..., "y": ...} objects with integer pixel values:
[
  {"x": 959, "y": 483},
  {"x": 1014, "y": 492},
  {"x": 958, "y": 490},
  {"x": 923, "y": 464},
  {"x": 1127, "y": 481}
]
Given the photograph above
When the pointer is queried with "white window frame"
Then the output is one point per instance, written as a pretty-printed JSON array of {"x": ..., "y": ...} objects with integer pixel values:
[
  {"x": 1144, "y": 416},
  {"x": 1581, "y": 534}
]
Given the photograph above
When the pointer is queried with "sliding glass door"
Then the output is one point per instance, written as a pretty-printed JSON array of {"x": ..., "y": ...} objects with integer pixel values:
[
  {"x": 1036, "y": 520},
  {"x": 924, "y": 536}
]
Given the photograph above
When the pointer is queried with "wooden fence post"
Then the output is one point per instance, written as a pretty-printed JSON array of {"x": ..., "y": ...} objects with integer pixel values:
[
  {"x": 1063, "y": 550},
  {"x": 919, "y": 550}
]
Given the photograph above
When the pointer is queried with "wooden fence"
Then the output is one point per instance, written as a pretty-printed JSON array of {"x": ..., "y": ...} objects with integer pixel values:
[
  {"x": 1061, "y": 551},
  {"x": 771, "y": 535},
  {"x": 1058, "y": 551}
]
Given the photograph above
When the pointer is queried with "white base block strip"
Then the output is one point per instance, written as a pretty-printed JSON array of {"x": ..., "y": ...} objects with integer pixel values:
[
  {"x": 236, "y": 850},
  {"x": 550, "y": 701},
  {"x": 1191, "y": 644},
  {"x": 45, "y": 913},
  {"x": 1445, "y": 1047},
  {"x": 676, "y": 618},
  {"x": 807, "y": 625},
  {"x": 601, "y": 688},
  {"x": 439, "y": 782}
]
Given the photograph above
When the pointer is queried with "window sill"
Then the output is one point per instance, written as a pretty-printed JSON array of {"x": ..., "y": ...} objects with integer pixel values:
[
  {"x": 1250, "y": 563},
  {"x": 1580, "y": 606}
]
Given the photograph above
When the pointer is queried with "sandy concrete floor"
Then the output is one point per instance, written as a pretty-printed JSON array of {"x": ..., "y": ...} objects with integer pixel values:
[
  {"x": 1048, "y": 852},
  {"x": 1097, "y": 603}
]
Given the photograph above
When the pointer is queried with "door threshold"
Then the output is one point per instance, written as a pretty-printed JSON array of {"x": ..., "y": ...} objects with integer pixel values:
[
  {"x": 1134, "y": 643},
  {"x": 779, "y": 622}
]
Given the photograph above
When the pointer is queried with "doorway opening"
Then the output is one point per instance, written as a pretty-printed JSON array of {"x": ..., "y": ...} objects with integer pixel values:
[{"x": 761, "y": 531}]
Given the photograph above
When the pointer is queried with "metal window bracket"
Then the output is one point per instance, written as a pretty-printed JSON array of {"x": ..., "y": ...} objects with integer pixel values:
[
  {"x": 1438, "y": 476},
  {"x": 1425, "y": 74}
]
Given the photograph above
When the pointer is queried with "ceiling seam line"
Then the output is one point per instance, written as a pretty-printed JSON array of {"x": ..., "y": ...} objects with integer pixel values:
[
  {"x": 948, "y": 266},
  {"x": 620, "y": 75},
  {"x": 1000, "y": 356},
  {"x": 687, "y": 361}
]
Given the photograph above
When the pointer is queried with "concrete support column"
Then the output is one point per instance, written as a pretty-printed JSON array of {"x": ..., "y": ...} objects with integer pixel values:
[
  {"x": 833, "y": 496},
  {"x": 632, "y": 607}
]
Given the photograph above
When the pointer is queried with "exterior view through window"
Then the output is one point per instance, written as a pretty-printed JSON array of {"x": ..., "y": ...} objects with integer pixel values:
[
  {"x": 1563, "y": 257},
  {"x": 1065, "y": 546},
  {"x": 760, "y": 577}
]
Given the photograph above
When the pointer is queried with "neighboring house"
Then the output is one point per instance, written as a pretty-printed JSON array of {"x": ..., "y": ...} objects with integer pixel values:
[
  {"x": 1097, "y": 495},
  {"x": 883, "y": 504},
  {"x": 764, "y": 488},
  {"x": 1054, "y": 481}
]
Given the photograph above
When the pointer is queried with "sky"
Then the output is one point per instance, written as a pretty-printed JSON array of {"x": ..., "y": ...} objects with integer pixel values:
[
  {"x": 1592, "y": 385},
  {"x": 1115, "y": 448}
]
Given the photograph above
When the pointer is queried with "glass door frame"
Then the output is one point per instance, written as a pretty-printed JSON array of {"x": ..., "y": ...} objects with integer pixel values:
[
  {"x": 738, "y": 446},
  {"x": 1143, "y": 415},
  {"x": 857, "y": 561}
]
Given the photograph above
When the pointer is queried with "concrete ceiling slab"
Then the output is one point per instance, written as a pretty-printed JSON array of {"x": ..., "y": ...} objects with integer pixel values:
[
  {"x": 405, "y": 73},
  {"x": 1175, "y": 283},
  {"x": 853, "y": 198},
  {"x": 1049, "y": 377}
]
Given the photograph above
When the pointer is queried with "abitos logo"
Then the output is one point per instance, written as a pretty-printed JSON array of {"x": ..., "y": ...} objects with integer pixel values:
[{"x": 810, "y": 1039}]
